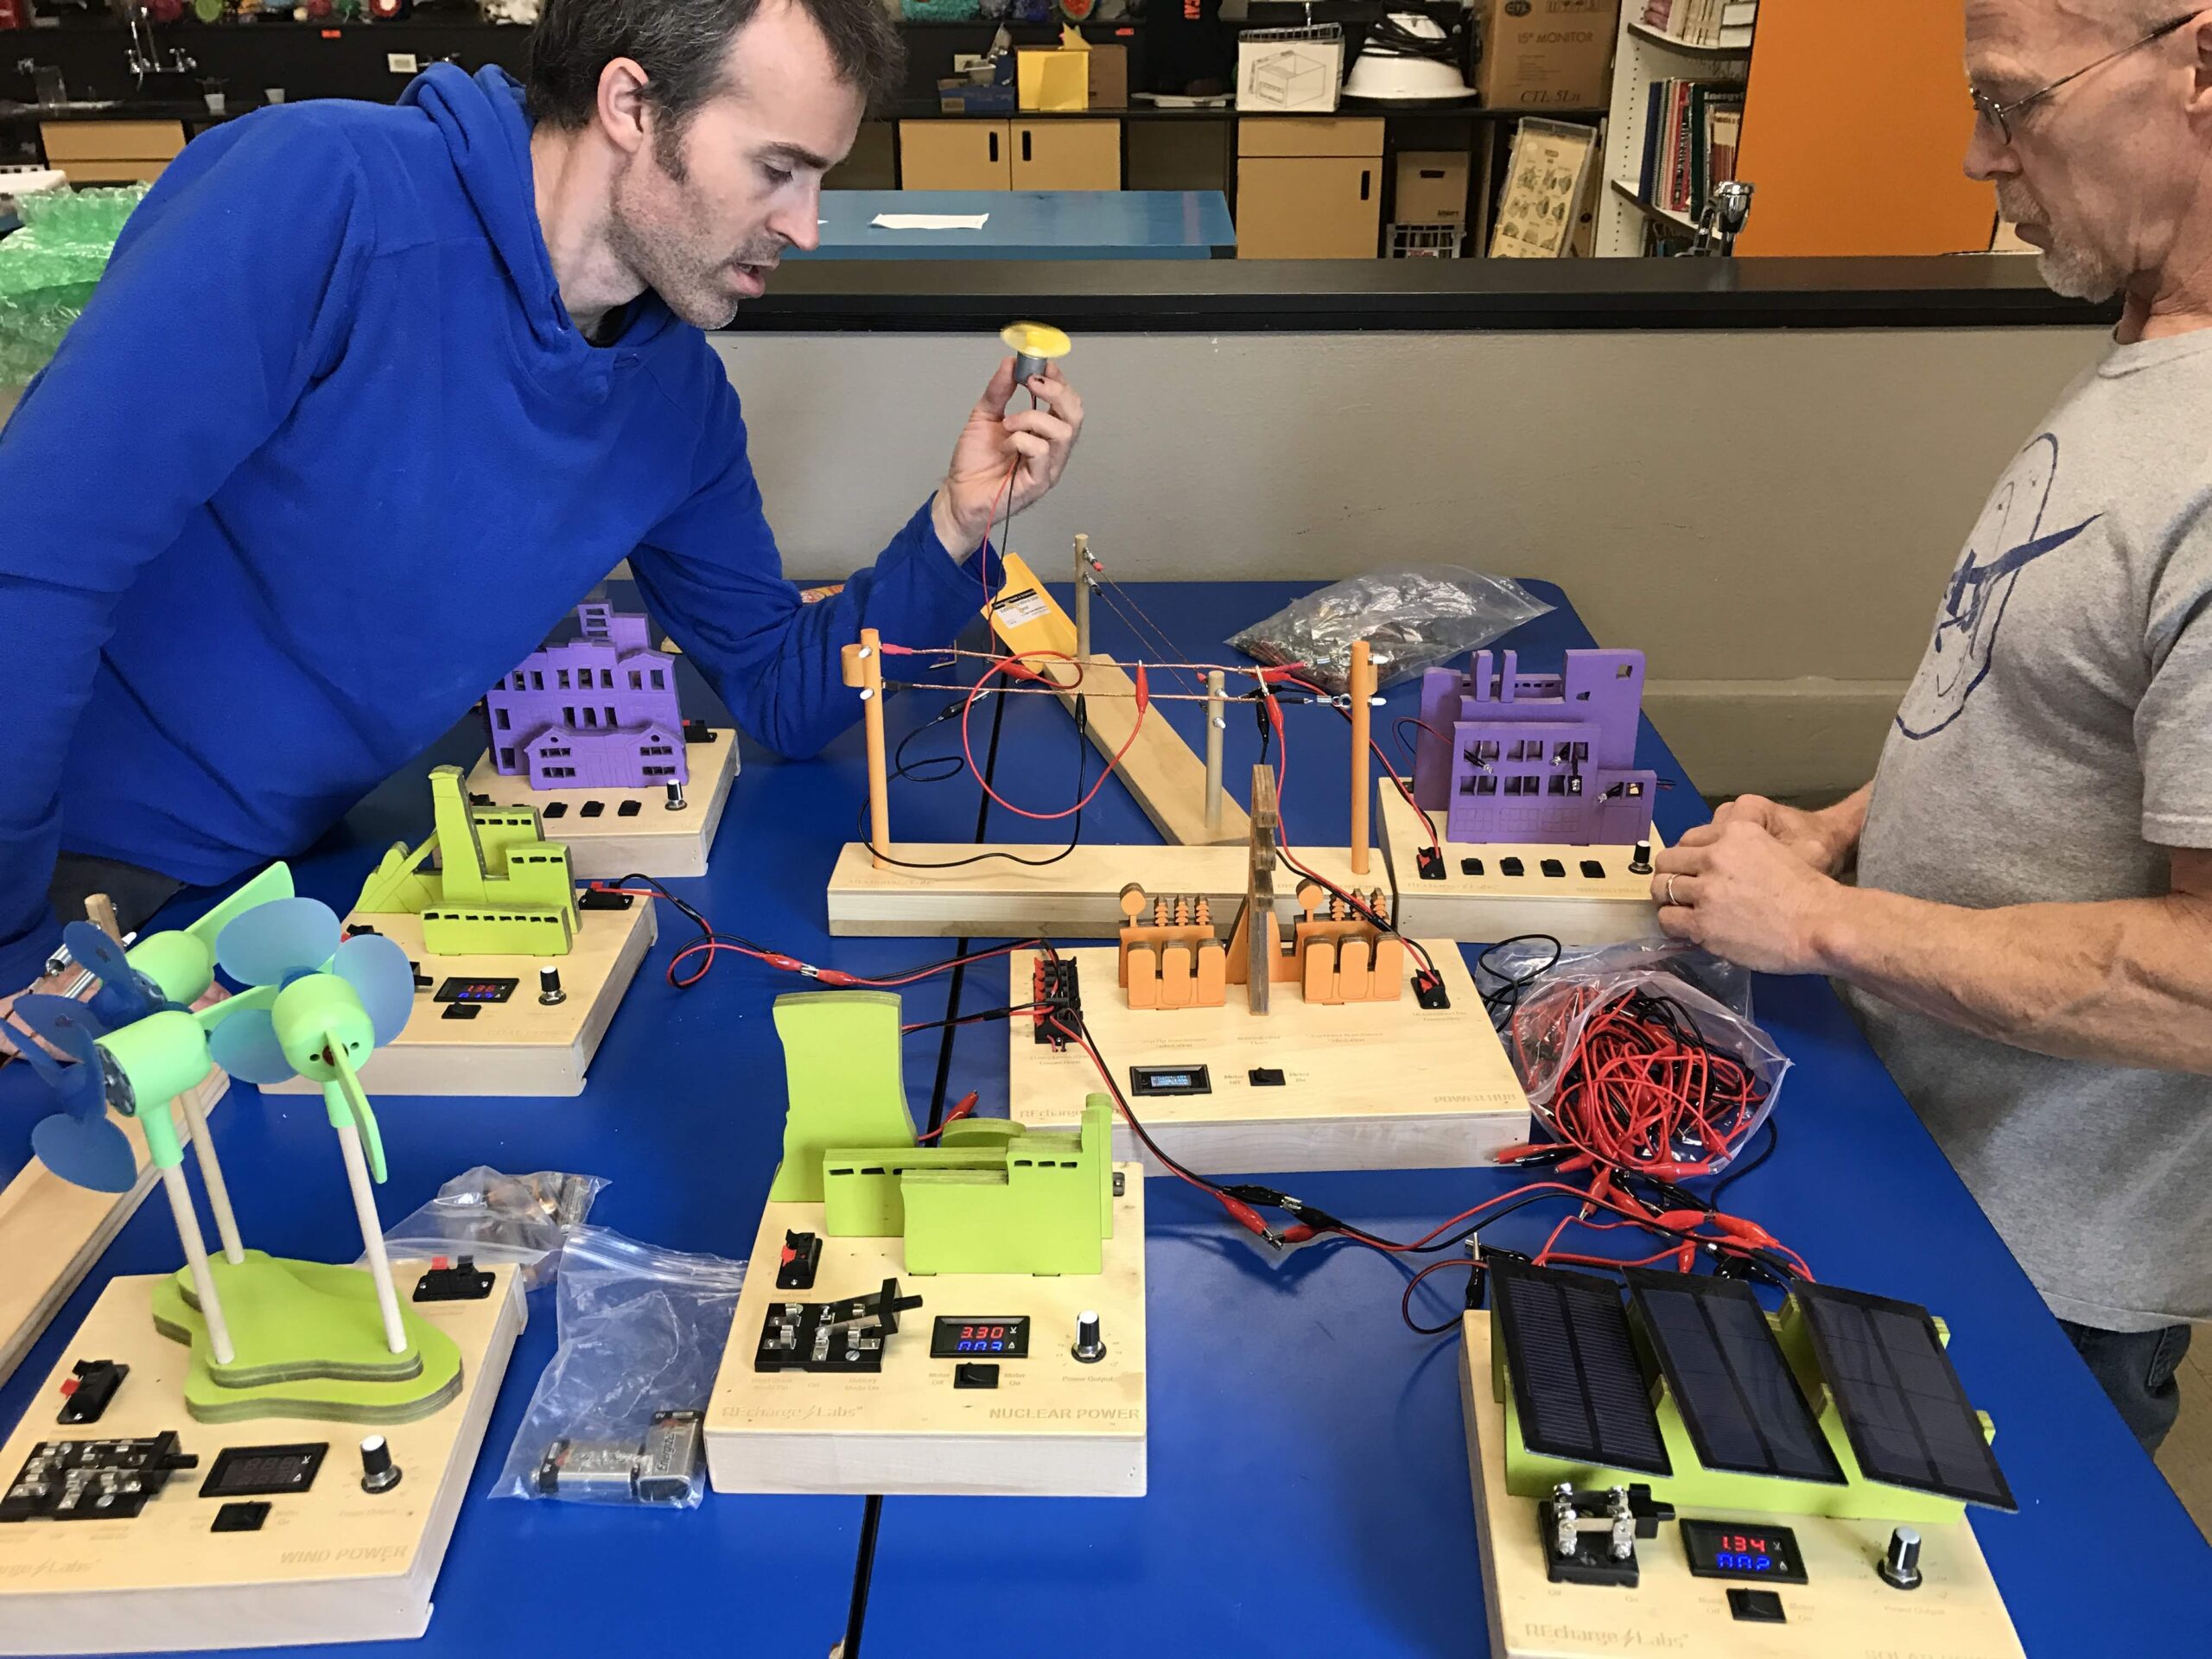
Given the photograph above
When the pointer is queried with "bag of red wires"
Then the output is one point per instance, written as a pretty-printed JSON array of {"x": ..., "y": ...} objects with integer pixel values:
[{"x": 1638, "y": 1069}]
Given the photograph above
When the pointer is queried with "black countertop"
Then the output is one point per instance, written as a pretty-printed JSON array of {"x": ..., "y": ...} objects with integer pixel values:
[{"x": 1332, "y": 296}]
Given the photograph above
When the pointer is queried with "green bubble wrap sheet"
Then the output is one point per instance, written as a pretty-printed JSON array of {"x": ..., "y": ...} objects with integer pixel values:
[{"x": 49, "y": 267}]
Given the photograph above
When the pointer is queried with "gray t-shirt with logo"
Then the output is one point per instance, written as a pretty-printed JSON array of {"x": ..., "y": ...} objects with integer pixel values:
[{"x": 2058, "y": 738}]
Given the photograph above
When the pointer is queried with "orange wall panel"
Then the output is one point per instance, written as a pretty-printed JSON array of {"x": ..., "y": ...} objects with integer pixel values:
[{"x": 1855, "y": 129}]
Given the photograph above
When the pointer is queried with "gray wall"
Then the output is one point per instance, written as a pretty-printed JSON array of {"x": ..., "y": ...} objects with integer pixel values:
[{"x": 1770, "y": 515}]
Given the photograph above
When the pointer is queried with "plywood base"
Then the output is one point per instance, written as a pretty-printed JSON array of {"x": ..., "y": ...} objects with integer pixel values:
[
  {"x": 516, "y": 1047},
  {"x": 1572, "y": 907},
  {"x": 652, "y": 841},
  {"x": 51, "y": 1233},
  {"x": 1053, "y": 1428},
  {"x": 1158, "y": 768},
  {"x": 1842, "y": 1612},
  {"x": 330, "y": 1564},
  {"x": 1366, "y": 1085},
  {"x": 1077, "y": 898}
]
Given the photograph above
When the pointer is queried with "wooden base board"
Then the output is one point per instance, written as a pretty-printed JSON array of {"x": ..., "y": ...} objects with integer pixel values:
[
  {"x": 1168, "y": 781},
  {"x": 1574, "y": 908},
  {"x": 1079, "y": 897},
  {"x": 1366, "y": 1085},
  {"x": 1053, "y": 1428},
  {"x": 331, "y": 1564},
  {"x": 1843, "y": 1611},
  {"x": 652, "y": 841},
  {"x": 51, "y": 1233},
  {"x": 516, "y": 1047}
]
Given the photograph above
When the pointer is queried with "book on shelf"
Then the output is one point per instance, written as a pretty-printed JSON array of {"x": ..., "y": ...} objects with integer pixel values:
[
  {"x": 1690, "y": 136},
  {"x": 1703, "y": 23}
]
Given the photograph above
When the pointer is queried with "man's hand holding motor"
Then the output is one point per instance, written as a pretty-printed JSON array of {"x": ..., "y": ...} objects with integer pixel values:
[{"x": 1032, "y": 444}]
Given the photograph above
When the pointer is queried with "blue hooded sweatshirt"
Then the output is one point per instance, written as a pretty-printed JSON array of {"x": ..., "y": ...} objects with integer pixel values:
[{"x": 325, "y": 457}]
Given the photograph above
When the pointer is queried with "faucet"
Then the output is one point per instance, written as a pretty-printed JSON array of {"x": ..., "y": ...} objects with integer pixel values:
[{"x": 145, "y": 56}]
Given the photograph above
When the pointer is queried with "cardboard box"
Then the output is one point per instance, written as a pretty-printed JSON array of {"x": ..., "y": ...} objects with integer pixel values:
[
  {"x": 1279, "y": 71},
  {"x": 1432, "y": 187},
  {"x": 1548, "y": 54},
  {"x": 1109, "y": 76},
  {"x": 1055, "y": 77}
]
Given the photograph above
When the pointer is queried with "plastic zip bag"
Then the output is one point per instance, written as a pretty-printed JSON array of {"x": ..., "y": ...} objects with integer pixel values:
[
  {"x": 1412, "y": 620},
  {"x": 498, "y": 1220},
  {"x": 641, "y": 1333},
  {"x": 1518, "y": 964},
  {"x": 1544, "y": 1038}
]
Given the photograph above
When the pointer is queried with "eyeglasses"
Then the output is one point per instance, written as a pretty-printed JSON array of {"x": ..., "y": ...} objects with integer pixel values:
[{"x": 2000, "y": 116}]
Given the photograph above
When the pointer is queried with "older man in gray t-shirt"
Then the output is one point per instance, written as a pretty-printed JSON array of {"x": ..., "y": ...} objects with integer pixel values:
[{"x": 2029, "y": 941}]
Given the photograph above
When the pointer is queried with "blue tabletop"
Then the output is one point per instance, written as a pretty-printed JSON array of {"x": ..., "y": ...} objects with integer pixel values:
[
  {"x": 1308, "y": 1477},
  {"x": 1029, "y": 224}
]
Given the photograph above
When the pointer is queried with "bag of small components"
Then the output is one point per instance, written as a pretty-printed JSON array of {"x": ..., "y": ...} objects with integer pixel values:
[
  {"x": 1411, "y": 619},
  {"x": 617, "y": 1414},
  {"x": 523, "y": 1219}
]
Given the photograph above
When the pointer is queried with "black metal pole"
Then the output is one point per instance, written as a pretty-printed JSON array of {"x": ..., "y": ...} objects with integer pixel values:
[{"x": 863, "y": 1571}]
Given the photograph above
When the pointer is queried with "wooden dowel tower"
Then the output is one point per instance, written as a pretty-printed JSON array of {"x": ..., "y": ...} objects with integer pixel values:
[
  {"x": 1363, "y": 695},
  {"x": 365, "y": 1208},
  {"x": 863, "y": 667},
  {"x": 1215, "y": 723},
  {"x": 1081, "y": 597}
]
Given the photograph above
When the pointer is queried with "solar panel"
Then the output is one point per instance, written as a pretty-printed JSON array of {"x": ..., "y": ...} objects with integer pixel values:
[
  {"x": 1577, "y": 1387},
  {"x": 1743, "y": 1407},
  {"x": 1907, "y": 1418}
]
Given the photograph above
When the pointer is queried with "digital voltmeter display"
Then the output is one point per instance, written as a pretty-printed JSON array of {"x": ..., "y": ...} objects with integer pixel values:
[
  {"x": 476, "y": 990},
  {"x": 1742, "y": 1549},
  {"x": 966, "y": 1338}
]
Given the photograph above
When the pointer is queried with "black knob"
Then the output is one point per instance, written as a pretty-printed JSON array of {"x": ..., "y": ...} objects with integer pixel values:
[
  {"x": 676, "y": 798},
  {"x": 1088, "y": 1348},
  {"x": 548, "y": 985},
  {"x": 1639, "y": 861},
  {"x": 378, "y": 1472},
  {"x": 1900, "y": 1567}
]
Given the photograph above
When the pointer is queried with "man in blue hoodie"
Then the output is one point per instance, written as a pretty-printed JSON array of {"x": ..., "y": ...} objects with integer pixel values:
[{"x": 371, "y": 397}]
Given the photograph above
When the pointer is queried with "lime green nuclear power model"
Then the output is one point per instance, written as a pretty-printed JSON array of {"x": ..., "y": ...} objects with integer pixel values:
[
  {"x": 990, "y": 1197},
  {"x": 269, "y": 1337},
  {"x": 500, "y": 889}
]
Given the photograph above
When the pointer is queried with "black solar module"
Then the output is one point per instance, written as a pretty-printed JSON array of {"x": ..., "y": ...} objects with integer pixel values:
[
  {"x": 1907, "y": 1417},
  {"x": 1743, "y": 1407},
  {"x": 1577, "y": 1387}
]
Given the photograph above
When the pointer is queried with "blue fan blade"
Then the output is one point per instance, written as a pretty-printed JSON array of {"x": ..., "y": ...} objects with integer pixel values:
[
  {"x": 272, "y": 941},
  {"x": 70, "y": 1027},
  {"x": 382, "y": 977},
  {"x": 85, "y": 1152},
  {"x": 124, "y": 995},
  {"x": 245, "y": 1046}
]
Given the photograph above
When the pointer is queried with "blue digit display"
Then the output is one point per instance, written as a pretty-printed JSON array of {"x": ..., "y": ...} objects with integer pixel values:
[{"x": 1733, "y": 1549}]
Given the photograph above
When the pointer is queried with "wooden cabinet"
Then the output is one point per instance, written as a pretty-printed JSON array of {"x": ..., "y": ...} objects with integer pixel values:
[
  {"x": 1309, "y": 188},
  {"x": 1051, "y": 153},
  {"x": 955, "y": 155},
  {"x": 1059, "y": 154},
  {"x": 112, "y": 152}
]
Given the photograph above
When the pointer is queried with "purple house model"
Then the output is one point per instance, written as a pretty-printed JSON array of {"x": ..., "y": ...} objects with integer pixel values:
[
  {"x": 1544, "y": 758},
  {"x": 595, "y": 712}
]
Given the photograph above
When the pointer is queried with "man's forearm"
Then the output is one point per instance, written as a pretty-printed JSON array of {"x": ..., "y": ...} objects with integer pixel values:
[{"x": 2126, "y": 982}]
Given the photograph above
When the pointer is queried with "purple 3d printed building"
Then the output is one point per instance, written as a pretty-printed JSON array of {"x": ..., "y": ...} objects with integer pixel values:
[
  {"x": 595, "y": 712},
  {"x": 1545, "y": 758}
]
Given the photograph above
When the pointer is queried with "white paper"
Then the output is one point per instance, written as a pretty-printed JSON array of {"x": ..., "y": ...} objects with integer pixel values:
[{"x": 930, "y": 221}]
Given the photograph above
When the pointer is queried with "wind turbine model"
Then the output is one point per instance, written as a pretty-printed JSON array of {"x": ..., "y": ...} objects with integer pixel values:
[{"x": 268, "y": 1335}]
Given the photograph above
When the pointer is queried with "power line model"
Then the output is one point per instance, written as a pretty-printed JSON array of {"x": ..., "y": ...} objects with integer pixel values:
[{"x": 227, "y": 1374}]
